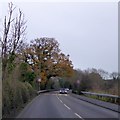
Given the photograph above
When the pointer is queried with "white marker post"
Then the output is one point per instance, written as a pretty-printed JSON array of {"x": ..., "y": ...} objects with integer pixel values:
[{"x": 39, "y": 80}]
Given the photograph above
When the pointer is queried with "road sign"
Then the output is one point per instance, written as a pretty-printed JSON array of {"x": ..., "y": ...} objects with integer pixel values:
[
  {"x": 39, "y": 80},
  {"x": 78, "y": 81}
]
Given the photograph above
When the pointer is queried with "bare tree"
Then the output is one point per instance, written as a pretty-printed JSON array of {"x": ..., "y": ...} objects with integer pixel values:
[
  {"x": 7, "y": 25},
  {"x": 13, "y": 35},
  {"x": 104, "y": 74},
  {"x": 114, "y": 75}
]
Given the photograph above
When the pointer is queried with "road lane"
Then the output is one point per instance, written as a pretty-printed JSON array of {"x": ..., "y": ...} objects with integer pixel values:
[
  {"x": 85, "y": 109},
  {"x": 46, "y": 106},
  {"x": 55, "y": 105}
]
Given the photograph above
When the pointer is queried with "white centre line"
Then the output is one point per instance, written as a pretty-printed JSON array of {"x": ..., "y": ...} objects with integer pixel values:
[
  {"x": 61, "y": 101},
  {"x": 78, "y": 116},
  {"x": 66, "y": 106},
  {"x": 58, "y": 98},
  {"x": 70, "y": 109}
]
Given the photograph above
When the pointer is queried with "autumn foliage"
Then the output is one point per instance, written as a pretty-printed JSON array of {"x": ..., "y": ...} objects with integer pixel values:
[{"x": 46, "y": 60}]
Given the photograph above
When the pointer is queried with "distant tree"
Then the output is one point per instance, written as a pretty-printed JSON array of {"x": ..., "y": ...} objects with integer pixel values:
[
  {"x": 86, "y": 83},
  {"x": 114, "y": 75},
  {"x": 104, "y": 74},
  {"x": 67, "y": 84}
]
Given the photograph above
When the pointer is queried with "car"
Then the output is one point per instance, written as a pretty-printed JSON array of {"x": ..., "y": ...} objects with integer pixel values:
[
  {"x": 63, "y": 91},
  {"x": 67, "y": 89}
]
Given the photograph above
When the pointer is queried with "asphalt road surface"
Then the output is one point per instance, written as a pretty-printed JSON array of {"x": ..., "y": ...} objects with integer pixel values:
[{"x": 55, "y": 105}]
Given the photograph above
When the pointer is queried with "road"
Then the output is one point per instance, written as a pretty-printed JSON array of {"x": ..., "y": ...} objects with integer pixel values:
[{"x": 55, "y": 105}]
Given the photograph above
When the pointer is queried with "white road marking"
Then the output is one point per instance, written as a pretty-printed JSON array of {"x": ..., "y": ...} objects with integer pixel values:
[
  {"x": 61, "y": 101},
  {"x": 66, "y": 106},
  {"x": 78, "y": 115},
  {"x": 70, "y": 109},
  {"x": 58, "y": 98},
  {"x": 54, "y": 94}
]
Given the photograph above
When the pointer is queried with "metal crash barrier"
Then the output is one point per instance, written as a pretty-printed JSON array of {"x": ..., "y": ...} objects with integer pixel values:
[{"x": 112, "y": 98}]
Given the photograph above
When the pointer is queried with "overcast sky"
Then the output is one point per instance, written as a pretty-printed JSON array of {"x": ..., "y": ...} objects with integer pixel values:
[{"x": 87, "y": 31}]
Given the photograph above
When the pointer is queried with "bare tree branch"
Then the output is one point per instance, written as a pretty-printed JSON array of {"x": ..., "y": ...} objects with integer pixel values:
[{"x": 14, "y": 32}]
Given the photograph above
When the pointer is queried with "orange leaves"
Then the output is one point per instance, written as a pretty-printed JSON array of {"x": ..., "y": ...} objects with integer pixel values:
[
  {"x": 43, "y": 76},
  {"x": 44, "y": 56}
]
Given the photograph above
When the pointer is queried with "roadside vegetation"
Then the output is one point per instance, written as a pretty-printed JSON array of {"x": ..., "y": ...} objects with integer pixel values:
[
  {"x": 96, "y": 81},
  {"x": 23, "y": 64},
  {"x": 93, "y": 80}
]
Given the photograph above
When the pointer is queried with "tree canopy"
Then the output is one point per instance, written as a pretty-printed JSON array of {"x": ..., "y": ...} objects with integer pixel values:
[{"x": 46, "y": 59}]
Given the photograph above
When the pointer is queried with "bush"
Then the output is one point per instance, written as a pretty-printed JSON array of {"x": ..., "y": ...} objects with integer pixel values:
[
  {"x": 31, "y": 91},
  {"x": 15, "y": 94},
  {"x": 24, "y": 92},
  {"x": 6, "y": 97}
]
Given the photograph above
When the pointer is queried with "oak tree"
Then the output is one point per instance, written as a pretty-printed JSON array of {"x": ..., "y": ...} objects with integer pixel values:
[{"x": 46, "y": 59}]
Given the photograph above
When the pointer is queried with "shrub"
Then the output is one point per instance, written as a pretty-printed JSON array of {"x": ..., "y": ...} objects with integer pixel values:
[
  {"x": 31, "y": 91},
  {"x": 15, "y": 94}
]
